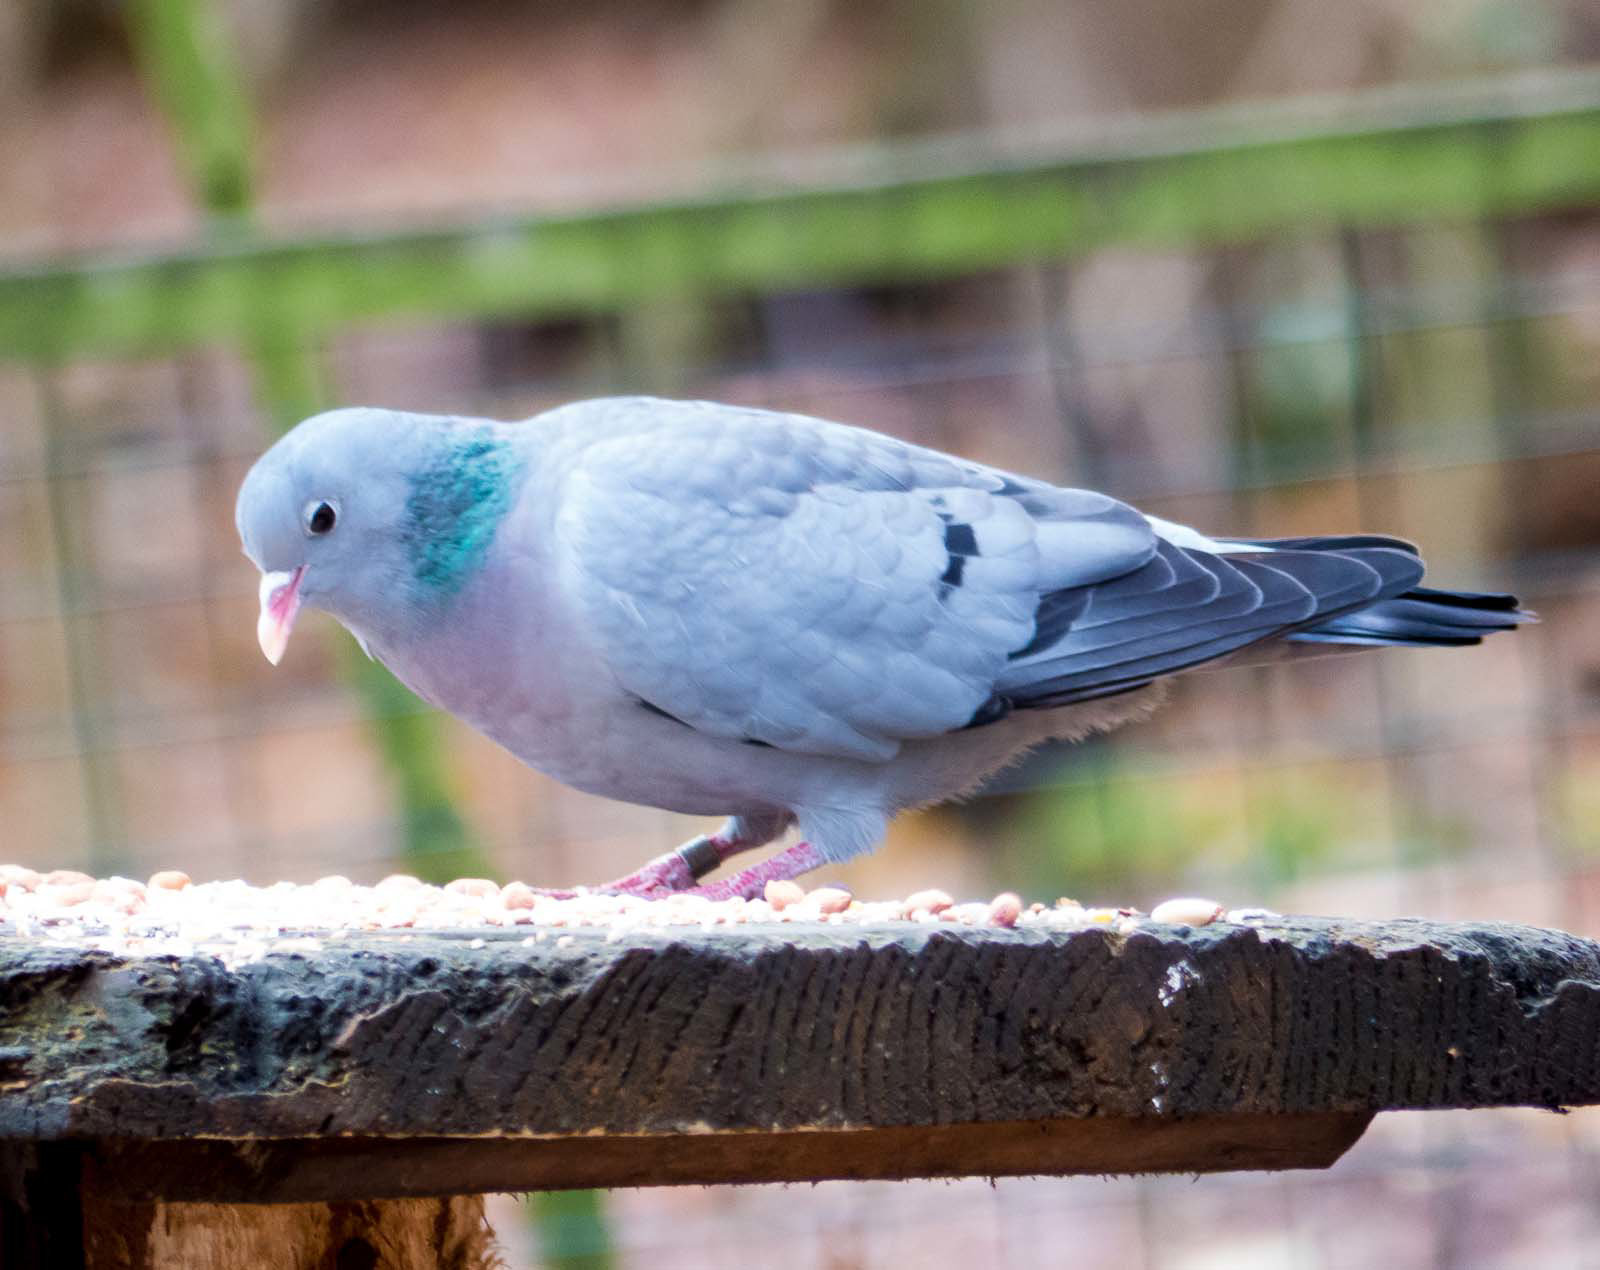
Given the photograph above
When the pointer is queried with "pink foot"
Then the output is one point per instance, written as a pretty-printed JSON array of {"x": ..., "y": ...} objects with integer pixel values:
[
  {"x": 677, "y": 870},
  {"x": 750, "y": 883}
]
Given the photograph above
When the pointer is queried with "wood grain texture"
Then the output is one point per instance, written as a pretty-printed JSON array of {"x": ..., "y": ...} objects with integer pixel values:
[
  {"x": 396, "y": 1234},
  {"x": 754, "y": 1035}
]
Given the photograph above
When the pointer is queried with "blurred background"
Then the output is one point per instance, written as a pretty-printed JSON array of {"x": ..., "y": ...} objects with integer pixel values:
[{"x": 1271, "y": 267}]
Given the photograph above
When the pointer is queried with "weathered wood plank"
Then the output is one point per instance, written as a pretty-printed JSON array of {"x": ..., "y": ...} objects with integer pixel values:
[{"x": 766, "y": 1052}]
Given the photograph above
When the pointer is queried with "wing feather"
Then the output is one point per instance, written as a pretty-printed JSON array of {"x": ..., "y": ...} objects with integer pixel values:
[
  {"x": 782, "y": 580},
  {"x": 779, "y": 579}
]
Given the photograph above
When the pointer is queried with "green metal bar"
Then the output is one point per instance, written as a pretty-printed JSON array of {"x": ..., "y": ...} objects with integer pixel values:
[
  {"x": 87, "y": 660},
  {"x": 437, "y": 843},
  {"x": 187, "y": 56},
  {"x": 880, "y": 215}
]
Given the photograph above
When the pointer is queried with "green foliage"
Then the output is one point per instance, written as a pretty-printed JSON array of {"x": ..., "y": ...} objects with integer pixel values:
[
  {"x": 1114, "y": 827},
  {"x": 1576, "y": 798},
  {"x": 573, "y": 1234},
  {"x": 1298, "y": 391},
  {"x": 1106, "y": 828}
]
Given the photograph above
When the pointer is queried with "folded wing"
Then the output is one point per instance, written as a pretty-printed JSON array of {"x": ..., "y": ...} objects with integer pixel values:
[{"x": 788, "y": 582}]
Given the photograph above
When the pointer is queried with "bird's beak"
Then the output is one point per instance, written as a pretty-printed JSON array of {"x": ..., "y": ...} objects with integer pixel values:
[{"x": 280, "y": 601}]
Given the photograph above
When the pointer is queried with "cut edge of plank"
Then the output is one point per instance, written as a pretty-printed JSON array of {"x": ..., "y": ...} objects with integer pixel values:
[{"x": 331, "y": 1169}]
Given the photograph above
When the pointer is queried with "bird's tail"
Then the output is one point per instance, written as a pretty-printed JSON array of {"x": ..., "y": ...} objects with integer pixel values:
[{"x": 1420, "y": 617}]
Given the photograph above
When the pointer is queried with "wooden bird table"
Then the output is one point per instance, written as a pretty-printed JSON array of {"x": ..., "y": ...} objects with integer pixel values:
[{"x": 346, "y": 1099}]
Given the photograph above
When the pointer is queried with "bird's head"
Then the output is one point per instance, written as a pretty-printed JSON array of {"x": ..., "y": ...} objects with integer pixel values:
[{"x": 369, "y": 514}]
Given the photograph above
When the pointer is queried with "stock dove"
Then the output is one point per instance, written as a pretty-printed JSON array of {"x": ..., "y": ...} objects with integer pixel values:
[{"x": 723, "y": 610}]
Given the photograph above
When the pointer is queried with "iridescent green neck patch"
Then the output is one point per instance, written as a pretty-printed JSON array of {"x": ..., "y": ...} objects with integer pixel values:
[{"x": 456, "y": 503}]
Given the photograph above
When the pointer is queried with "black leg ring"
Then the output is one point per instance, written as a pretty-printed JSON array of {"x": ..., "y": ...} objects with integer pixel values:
[{"x": 701, "y": 855}]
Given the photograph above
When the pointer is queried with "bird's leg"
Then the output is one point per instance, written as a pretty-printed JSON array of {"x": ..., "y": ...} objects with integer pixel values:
[
  {"x": 750, "y": 883},
  {"x": 677, "y": 870},
  {"x": 680, "y": 869}
]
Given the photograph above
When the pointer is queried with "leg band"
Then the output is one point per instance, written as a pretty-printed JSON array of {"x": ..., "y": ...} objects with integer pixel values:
[{"x": 700, "y": 855}]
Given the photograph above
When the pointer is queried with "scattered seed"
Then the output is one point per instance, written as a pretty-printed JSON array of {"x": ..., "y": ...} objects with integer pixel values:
[
  {"x": 20, "y": 878},
  {"x": 479, "y": 888},
  {"x": 1187, "y": 910},
  {"x": 780, "y": 893},
  {"x": 398, "y": 915},
  {"x": 1005, "y": 908},
  {"x": 228, "y": 912},
  {"x": 930, "y": 901},
  {"x": 68, "y": 894},
  {"x": 518, "y": 895},
  {"x": 121, "y": 895},
  {"x": 830, "y": 899}
]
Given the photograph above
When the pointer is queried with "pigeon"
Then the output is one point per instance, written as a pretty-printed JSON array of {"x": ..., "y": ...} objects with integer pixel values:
[{"x": 792, "y": 623}]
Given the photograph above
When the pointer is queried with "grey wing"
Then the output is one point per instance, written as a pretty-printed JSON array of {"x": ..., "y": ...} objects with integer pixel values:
[
  {"x": 1188, "y": 605},
  {"x": 788, "y": 582}
]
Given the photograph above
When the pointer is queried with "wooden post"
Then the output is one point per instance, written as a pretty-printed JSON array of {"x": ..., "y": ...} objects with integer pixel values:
[{"x": 73, "y": 1210}]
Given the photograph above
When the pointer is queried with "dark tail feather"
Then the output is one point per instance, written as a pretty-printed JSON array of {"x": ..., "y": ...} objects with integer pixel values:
[
  {"x": 1421, "y": 617},
  {"x": 1334, "y": 542}
]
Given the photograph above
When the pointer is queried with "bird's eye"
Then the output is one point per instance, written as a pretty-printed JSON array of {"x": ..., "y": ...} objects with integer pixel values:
[{"x": 321, "y": 516}]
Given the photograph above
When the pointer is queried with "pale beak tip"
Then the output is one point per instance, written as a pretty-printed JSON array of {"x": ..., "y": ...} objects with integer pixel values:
[
  {"x": 280, "y": 601},
  {"x": 272, "y": 638}
]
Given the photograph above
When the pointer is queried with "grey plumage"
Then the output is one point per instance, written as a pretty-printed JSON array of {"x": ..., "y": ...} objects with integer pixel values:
[{"x": 711, "y": 608}]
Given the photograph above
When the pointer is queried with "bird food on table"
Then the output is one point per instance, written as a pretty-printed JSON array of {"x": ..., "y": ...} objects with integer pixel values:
[{"x": 123, "y": 912}]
